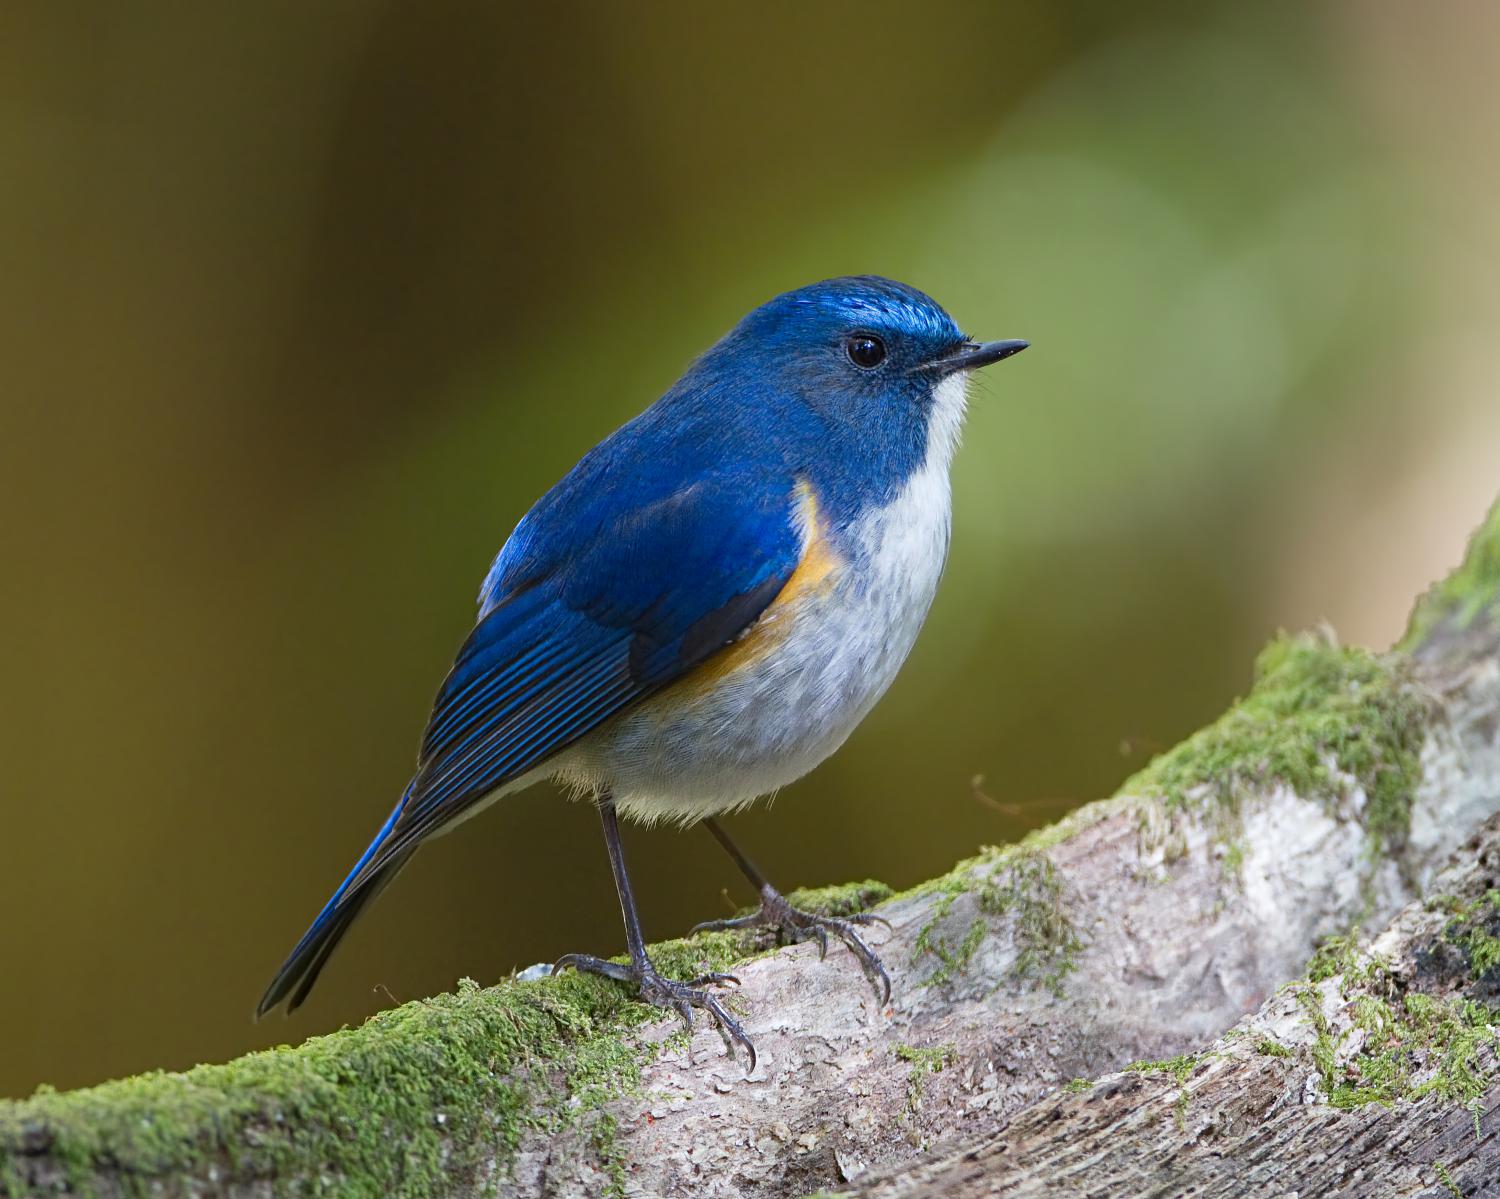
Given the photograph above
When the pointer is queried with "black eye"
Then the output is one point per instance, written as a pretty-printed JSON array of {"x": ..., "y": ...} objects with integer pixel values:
[{"x": 865, "y": 350}]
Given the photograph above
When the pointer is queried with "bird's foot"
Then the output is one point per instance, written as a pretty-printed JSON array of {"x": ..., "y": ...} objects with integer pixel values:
[
  {"x": 792, "y": 925},
  {"x": 680, "y": 997}
]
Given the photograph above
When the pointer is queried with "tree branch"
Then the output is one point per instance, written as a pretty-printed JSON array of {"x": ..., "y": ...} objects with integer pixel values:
[
  {"x": 1371, "y": 1075},
  {"x": 1139, "y": 928}
]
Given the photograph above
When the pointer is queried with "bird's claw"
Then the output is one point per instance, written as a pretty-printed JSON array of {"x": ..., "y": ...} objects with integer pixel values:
[
  {"x": 680, "y": 997},
  {"x": 792, "y": 925}
]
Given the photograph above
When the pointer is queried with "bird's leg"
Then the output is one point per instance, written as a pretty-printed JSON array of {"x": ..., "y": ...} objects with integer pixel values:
[
  {"x": 792, "y": 924},
  {"x": 681, "y": 997}
]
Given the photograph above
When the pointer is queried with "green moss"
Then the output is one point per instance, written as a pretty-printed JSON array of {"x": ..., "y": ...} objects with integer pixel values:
[
  {"x": 1454, "y": 1030},
  {"x": 1470, "y": 930},
  {"x": 1474, "y": 587},
  {"x": 1179, "y": 1069},
  {"x": 1051, "y": 835},
  {"x": 932, "y": 1060},
  {"x": 1336, "y": 955},
  {"x": 607, "y": 1147},
  {"x": 1270, "y": 1047},
  {"x": 1325, "y": 1047},
  {"x": 686, "y": 957},
  {"x": 844, "y": 900},
  {"x": 972, "y": 873},
  {"x": 1447, "y": 1180},
  {"x": 1076, "y": 1086},
  {"x": 1028, "y": 890},
  {"x": 958, "y": 881},
  {"x": 1374, "y": 1016},
  {"x": 1018, "y": 883},
  {"x": 1313, "y": 705},
  {"x": 1442, "y": 1038},
  {"x": 951, "y": 961},
  {"x": 429, "y": 1091},
  {"x": 1405, "y": 1036},
  {"x": 1484, "y": 953},
  {"x": 929, "y": 943}
]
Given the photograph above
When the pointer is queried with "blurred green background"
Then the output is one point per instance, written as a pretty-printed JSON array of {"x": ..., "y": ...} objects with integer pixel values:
[{"x": 301, "y": 306}]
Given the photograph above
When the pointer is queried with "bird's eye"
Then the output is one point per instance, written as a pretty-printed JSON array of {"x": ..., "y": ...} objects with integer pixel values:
[{"x": 865, "y": 350}]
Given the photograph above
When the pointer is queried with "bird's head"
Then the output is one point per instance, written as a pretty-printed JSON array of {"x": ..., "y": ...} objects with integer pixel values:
[{"x": 876, "y": 361}]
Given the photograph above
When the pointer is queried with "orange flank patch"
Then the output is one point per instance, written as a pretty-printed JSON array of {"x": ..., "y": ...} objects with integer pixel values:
[
  {"x": 819, "y": 558},
  {"x": 815, "y": 573}
]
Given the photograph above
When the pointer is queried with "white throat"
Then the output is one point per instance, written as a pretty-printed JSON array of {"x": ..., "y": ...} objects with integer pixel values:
[
  {"x": 950, "y": 400},
  {"x": 905, "y": 544}
]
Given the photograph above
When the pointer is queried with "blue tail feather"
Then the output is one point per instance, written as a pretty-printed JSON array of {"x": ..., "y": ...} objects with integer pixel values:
[{"x": 302, "y": 966}]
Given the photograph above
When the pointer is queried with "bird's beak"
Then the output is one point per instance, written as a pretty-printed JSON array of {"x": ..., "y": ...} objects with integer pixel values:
[{"x": 972, "y": 355}]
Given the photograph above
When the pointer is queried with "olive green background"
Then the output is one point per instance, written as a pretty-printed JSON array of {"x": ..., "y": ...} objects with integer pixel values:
[{"x": 301, "y": 306}]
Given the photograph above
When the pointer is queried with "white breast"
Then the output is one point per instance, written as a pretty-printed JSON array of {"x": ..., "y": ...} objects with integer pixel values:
[{"x": 774, "y": 720}]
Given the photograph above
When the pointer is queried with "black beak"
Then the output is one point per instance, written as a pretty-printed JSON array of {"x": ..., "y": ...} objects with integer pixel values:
[{"x": 972, "y": 355}]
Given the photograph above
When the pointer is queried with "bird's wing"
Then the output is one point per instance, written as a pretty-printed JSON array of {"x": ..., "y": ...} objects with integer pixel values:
[{"x": 565, "y": 643}]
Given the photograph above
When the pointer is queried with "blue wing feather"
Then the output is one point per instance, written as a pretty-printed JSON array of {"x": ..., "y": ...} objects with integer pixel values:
[
  {"x": 593, "y": 605},
  {"x": 661, "y": 588}
]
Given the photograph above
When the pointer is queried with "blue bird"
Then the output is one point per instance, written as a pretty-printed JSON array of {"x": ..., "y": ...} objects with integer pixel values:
[{"x": 705, "y": 607}]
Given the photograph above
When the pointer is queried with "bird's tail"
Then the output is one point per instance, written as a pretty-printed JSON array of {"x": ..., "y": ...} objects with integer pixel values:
[{"x": 303, "y": 965}]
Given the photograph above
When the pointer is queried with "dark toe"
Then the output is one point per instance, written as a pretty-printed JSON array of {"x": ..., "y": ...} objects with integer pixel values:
[
  {"x": 719, "y": 926},
  {"x": 588, "y": 964},
  {"x": 714, "y": 979}
]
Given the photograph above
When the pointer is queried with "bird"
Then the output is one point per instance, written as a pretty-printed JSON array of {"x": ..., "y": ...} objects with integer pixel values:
[{"x": 703, "y": 609}]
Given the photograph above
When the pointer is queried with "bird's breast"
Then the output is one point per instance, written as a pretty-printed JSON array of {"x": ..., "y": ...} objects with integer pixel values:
[{"x": 775, "y": 703}]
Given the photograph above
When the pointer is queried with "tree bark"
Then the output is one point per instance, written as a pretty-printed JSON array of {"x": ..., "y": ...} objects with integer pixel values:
[
  {"x": 1141, "y": 927},
  {"x": 1370, "y": 1077}
]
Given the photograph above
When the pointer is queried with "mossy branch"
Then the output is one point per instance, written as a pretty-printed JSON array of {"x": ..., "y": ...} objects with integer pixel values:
[
  {"x": 1377, "y": 1064},
  {"x": 1138, "y": 928}
]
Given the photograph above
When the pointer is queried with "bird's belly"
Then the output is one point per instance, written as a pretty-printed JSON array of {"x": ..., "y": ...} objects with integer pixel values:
[{"x": 721, "y": 738}]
